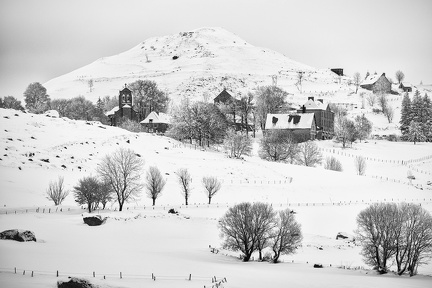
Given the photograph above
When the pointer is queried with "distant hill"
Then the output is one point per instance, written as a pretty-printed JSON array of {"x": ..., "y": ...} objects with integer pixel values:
[{"x": 197, "y": 64}]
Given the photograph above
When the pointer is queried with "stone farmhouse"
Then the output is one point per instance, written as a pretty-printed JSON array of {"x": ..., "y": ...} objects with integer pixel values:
[
  {"x": 324, "y": 117},
  {"x": 377, "y": 83}
]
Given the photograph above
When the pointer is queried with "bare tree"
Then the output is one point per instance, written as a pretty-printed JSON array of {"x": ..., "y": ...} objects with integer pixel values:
[
  {"x": 262, "y": 224},
  {"x": 249, "y": 227},
  {"x": 309, "y": 154},
  {"x": 360, "y": 165},
  {"x": 300, "y": 76},
  {"x": 212, "y": 185},
  {"x": 237, "y": 144},
  {"x": 345, "y": 131},
  {"x": 185, "y": 180},
  {"x": 376, "y": 233},
  {"x": 154, "y": 183},
  {"x": 56, "y": 191},
  {"x": 86, "y": 192},
  {"x": 399, "y": 76},
  {"x": 363, "y": 127},
  {"x": 357, "y": 80},
  {"x": 287, "y": 236},
  {"x": 122, "y": 170},
  {"x": 236, "y": 230},
  {"x": 332, "y": 163},
  {"x": 389, "y": 113}
]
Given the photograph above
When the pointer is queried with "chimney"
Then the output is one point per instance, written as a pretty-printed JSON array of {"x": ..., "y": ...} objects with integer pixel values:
[
  {"x": 311, "y": 98},
  {"x": 303, "y": 109}
]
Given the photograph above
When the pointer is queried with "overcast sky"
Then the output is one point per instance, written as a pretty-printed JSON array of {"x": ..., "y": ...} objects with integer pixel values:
[{"x": 43, "y": 39}]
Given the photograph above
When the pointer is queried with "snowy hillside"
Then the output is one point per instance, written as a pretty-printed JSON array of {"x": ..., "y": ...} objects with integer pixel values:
[
  {"x": 192, "y": 63},
  {"x": 38, "y": 149}
]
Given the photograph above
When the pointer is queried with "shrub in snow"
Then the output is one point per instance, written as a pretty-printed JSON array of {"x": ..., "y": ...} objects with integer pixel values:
[{"x": 331, "y": 163}]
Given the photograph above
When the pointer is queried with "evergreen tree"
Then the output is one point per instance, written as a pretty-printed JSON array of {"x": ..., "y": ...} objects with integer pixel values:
[
  {"x": 415, "y": 132},
  {"x": 427, "y": 117},
  {"x": 405, "y": 114},
  {"x": 417, "y": 108}
]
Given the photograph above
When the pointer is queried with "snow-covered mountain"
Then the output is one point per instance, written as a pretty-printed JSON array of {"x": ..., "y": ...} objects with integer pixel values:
[{"x": 193, "y": 63}]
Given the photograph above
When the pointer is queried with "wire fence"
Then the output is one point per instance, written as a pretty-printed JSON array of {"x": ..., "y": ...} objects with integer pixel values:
[
  {"x": 191, "y": 206},
  {"x": 390, "y": 161},
  {"x": 207, "y": 281}
]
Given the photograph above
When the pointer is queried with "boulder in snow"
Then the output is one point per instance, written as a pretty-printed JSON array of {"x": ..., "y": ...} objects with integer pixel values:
[
  {"x": 95, "y": 220},
  {"x": 18, "y": 235},
  {"x": 52, "y": 113},
  {"x": 74, "y": 283}
]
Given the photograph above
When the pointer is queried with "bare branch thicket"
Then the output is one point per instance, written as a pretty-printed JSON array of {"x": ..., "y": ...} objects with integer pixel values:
[
  {"x": 332, "y": 163},
  {"x": 286, "y": 236},
  {"x": 371, "y": 99},
  {"x": 382, "y": 102},
  {"x": 212, "y": 185},
  {"x": 56, "y": 191},
  {"x": 122, "y": 170},
  {"x": 237, "y": 144},
  {"x": 279, "y": 146},
  {"x": 357, "y": 80},
  {"x": 309, "y": 154},
  {"x": 360, "y": 165},
  {"x": 154, "y": 183},
  {"x": 389, "y": 113},
  {"x": 185, "y": 180}
]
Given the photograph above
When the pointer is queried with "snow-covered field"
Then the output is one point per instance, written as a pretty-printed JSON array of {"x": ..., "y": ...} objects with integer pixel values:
[{"x": 143, "y": 240}]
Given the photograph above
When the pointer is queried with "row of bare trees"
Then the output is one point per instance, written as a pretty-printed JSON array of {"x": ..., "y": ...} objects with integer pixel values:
[
  {"x": 119, "y": 178},
  {"x": 250, "y": 228},
  {"x": 395, "y": 232}
]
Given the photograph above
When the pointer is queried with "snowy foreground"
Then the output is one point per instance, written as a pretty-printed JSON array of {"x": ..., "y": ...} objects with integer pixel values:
[{"x": 143, "y": 240}]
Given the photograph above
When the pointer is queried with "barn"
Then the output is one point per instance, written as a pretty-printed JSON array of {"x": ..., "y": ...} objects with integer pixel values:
[{"x": 377, "y": 83}]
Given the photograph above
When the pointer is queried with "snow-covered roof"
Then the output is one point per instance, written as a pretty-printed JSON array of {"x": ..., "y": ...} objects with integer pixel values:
[
  {"x": 157, "y": 118},
  {"x": 311, "y": 104},
  {"x": 372, "y": 79},
  {"x": 112, "y": 111},
  {"x": 289, "y": 121},
  {"x": 406, "y": 84}
]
